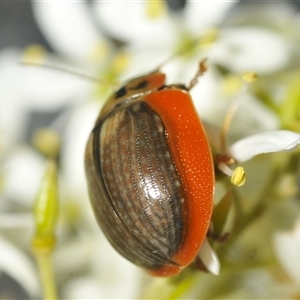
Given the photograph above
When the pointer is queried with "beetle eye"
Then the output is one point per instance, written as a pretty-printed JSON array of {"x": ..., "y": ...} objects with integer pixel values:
[{"x": 120, "y": 93}]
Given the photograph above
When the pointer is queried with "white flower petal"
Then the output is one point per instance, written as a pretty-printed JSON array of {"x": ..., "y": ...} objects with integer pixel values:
[
  {"x": 266, "y": 142},
  {"x": 128, "y": 21},
  {"x": 23, "y": 174},
  {"x": 12, "y": 122},
  {"x": 251, "y": 49},
  {"x": 287, "y": 247},
  {"x": 47, "y": 90},
  {"x": 68, "y": 27},
  {"x": 77, "y": 132},
  {"x": 19, "y": 267},
  {"x": 31, "y": 88},
  {"x": 12, "y": 118},
  {"x": 201, "y": 15},
  {"x": 209, "y": 258}
]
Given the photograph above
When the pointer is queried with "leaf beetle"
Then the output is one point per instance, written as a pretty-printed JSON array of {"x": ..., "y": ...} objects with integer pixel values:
[{"x": 150, "y": 174}]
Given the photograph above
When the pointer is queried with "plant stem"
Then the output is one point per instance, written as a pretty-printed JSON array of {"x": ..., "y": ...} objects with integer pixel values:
[{"x": 47, "y": 276}]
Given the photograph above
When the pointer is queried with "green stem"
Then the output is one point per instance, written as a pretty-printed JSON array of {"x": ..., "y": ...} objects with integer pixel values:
[{"x": 47, "y": 276}]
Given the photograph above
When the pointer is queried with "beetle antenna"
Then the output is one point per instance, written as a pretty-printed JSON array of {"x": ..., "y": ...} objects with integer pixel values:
[
  {"x": 201, "y": 70},
  {"x": 62, "y": 69}
]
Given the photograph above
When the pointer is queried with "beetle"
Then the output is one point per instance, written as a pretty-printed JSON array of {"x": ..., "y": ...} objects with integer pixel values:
[{"x": 150, "y": 173}]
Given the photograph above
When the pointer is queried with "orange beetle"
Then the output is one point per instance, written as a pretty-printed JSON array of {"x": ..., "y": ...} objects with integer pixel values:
[{"x": 150, "y": 174}]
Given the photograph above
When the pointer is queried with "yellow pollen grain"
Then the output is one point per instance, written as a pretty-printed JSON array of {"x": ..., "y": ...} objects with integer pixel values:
[{"x": 238, "y": 177}]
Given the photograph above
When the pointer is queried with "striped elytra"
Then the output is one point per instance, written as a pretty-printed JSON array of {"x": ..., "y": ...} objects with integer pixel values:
[{"x": 150, "y": 175}]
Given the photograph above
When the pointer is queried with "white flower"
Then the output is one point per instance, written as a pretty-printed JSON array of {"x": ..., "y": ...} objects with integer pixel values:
[
  {"x": 68, "y": 27},
  {"x": 143, "y": 30},
  {"x": 27, "y": 90},
  {"x": 251, "y": 48},
  {"x": 238, "y": 49}
]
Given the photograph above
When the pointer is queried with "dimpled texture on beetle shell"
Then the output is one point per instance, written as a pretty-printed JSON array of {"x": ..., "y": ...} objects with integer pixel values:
[{"x": 137, "y": 192}]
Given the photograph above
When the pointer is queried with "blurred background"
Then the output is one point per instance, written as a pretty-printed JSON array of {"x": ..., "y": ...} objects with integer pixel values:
[{"x": 115, "y": 41}]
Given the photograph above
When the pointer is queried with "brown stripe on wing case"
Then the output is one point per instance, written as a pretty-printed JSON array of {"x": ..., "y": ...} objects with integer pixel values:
[
  {"x": 133, "y": 159},
  {"x": 112, "y": 226},
  {"x": 131, "y": 214}
]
